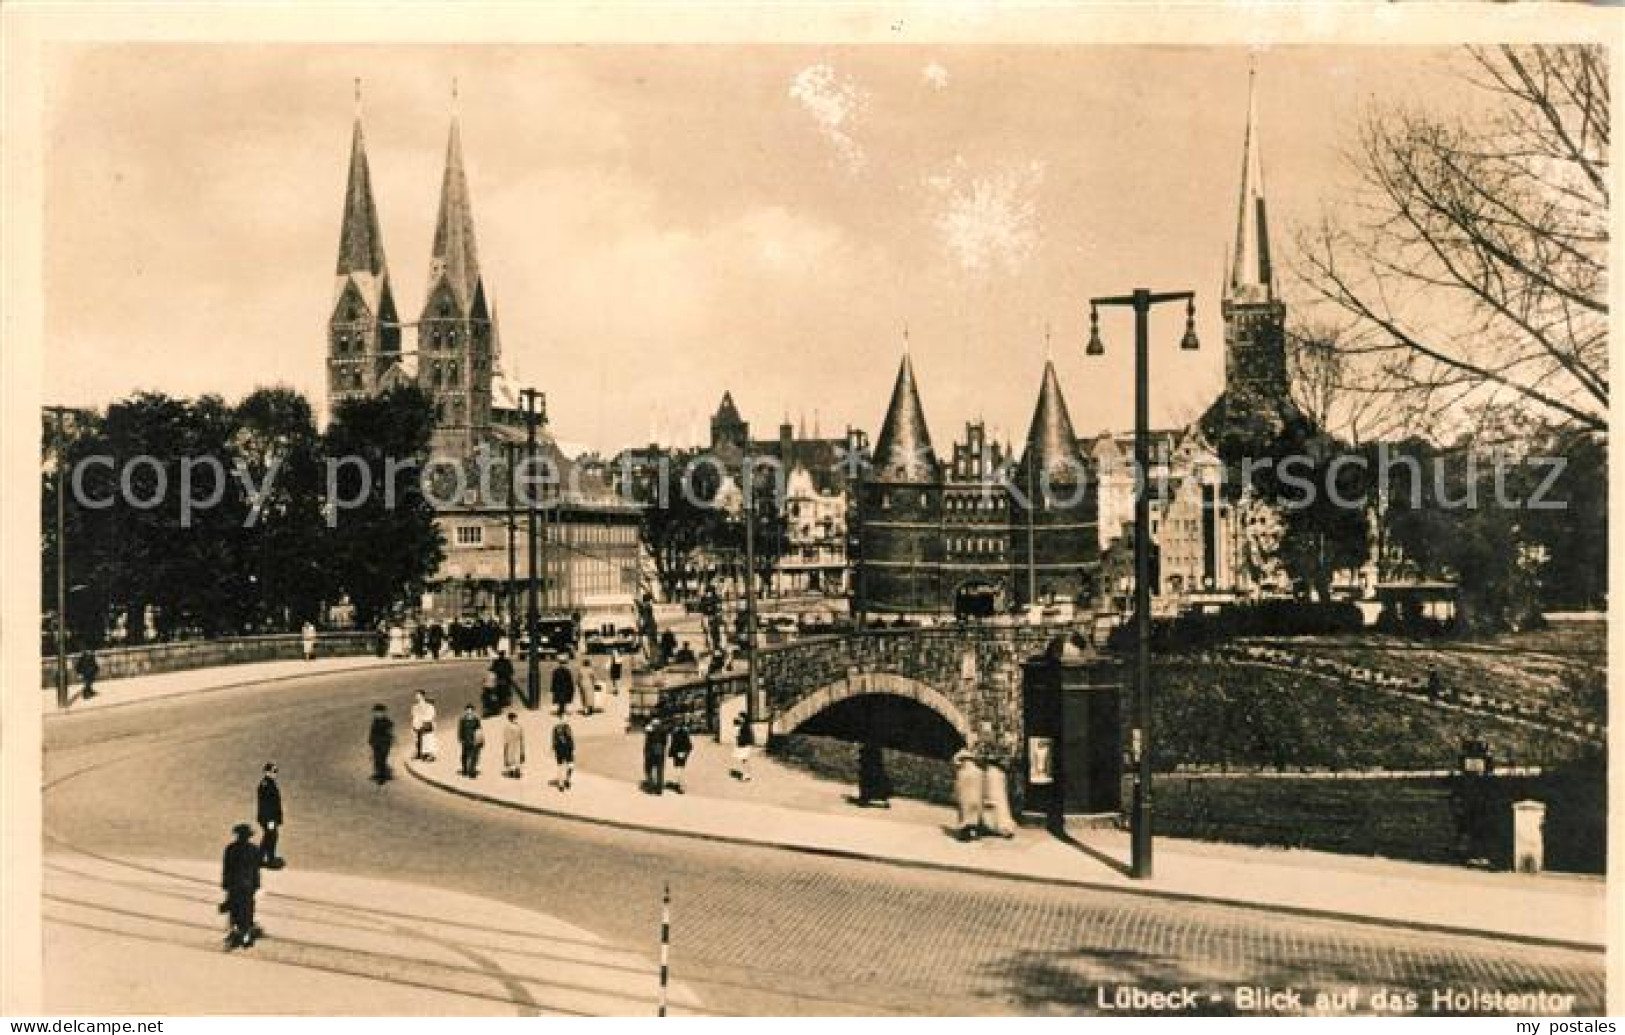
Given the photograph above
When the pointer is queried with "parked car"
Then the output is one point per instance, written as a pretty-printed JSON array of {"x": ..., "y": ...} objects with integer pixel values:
[{"x": 557, "y": 636}]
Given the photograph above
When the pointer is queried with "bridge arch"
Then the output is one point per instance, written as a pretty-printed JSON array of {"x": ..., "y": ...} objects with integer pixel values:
[{"x": 860, "y": 684}]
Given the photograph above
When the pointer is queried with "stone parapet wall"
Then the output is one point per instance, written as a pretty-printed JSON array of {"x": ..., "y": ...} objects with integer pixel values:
[{"x": 123, "y": 662}]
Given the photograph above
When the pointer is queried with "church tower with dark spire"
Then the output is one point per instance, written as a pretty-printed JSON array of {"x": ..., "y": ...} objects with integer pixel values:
[
  {"x": 1054, "y": 506},
  {"x": 363, "y": 328},
  {"x": 1257, "y": 398},
  {"x": 900, "y": 510},
  {"x": 456, "y": 339}
]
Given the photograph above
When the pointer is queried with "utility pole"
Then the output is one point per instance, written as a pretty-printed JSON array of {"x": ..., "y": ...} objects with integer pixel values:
[
  {"x": 512, "y": 616},
  {"x": 1141, "y": 302},
  {"x": 59, "y": 481},
  {"x": 752, "y": 706},
  {"x": 1032, "y": 561},
  {"x": 533, "y": 660}
]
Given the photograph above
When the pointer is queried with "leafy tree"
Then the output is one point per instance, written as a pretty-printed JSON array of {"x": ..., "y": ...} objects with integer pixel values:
[
  {"x": 382, "y": 543},
  {"x": 680, "y": 518},
  {"x": 285, "y": 560}
]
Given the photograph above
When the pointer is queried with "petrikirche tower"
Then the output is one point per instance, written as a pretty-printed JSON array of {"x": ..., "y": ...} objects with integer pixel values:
[
  {"x": 363, "y": 329},
  {"x": 1257, "y": 402}
]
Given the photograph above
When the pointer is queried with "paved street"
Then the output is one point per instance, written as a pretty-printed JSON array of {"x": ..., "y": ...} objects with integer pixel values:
[{"x": 754, "y": 930}]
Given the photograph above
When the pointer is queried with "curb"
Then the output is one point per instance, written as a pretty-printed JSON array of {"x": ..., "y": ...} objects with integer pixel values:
[
  {"x": 398, "y": 663},
  {"x": 1307, "y": 912}
]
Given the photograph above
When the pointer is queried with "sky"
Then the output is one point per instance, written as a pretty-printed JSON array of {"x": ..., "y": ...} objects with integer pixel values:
[{"x": 657, "y": 224}]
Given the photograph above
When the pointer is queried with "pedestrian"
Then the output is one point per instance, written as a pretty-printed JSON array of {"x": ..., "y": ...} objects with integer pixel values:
[
  {"x": 88, "y": 667},
  {"x": 682, "y": 745},
  {"x": 968, "y": 795},
  {"x": 616, "y": 672},
  {"x": 240, "y": 880},
  {"x": 307, "y": 639},
  {"x": 422, "y": 717},
  {"x": 381, "y": 737},
  {"x": 420, "y": 644},
  {"x": 513, "y": 747},
  {"x": 668, "y": 646},
  {"x": 654, "y": 756},
  {"x": 437, "y": 639},
  {"x": 874, "y": 786},
  {"x": 268, "y": 811},
  {"x": 588, "y": 682},
  {"x": 685, "y": 655},
  {"x": 502, "y": 668},
  {"x": 471, "y": 735},
  {"x": 744, "y": 741},
  {"x": 563, "y": 687},
  {"x": 564, "y": 754}
]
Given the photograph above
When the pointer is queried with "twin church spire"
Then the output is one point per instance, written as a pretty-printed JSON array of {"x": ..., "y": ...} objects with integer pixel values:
[{"x": 456, "y": 336}]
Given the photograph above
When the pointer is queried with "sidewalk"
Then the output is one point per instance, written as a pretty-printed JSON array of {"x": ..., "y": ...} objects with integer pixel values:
[
  {"x": 788, "y": 809},
  {"x": 142, "y": 937},
  {"x": 116, "y": 692}
]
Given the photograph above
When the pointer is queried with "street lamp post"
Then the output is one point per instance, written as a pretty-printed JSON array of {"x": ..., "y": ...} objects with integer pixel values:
[
  {"x": 1141, "y": 302},
  {"x": 512, "y": 616},
  {"x": 60, "y": 412},
  {"x": 752, "y": 706},
  {"x": 533, "y": 660}
]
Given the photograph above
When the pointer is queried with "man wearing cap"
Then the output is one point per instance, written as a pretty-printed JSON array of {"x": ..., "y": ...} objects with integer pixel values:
[
  {"x": 269, "y": 814},
  {"x": 381, "y": 737},
  {"x": 240, "y": 878}
]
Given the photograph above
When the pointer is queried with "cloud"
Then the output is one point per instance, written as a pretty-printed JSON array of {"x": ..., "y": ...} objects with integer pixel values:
[
  {"x": 834, "y": 102},
  {"x": 935, "y": 76},
  {"x": 988, "y": 221}
]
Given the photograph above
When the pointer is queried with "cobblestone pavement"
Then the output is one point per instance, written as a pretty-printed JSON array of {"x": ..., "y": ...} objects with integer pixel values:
[{"x": 754, "y": 931}]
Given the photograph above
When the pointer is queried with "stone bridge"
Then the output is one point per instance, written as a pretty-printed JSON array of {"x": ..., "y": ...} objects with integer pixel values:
[{"x": 970, "y": 676}]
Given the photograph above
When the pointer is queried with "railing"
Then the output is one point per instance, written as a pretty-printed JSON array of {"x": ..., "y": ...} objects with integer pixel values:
[{"x": 150, "y": 659}]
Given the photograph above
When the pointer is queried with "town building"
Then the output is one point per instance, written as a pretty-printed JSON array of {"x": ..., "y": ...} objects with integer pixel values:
[{"x": 589, "y": 546}]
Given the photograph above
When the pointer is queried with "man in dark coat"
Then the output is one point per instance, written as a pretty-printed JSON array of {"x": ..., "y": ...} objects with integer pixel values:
[
  {"x": 471, "y": 736},
  {"x": 381, "y": 737},
  {"x": 874, "y": 785},
  {"x": 240, "y": 879},
  {"x": 654, "y": 756},
  {"x": 269, "y": 815},
  {"x": 502, "y": 668},
  {"x": 87, "y": 667},
  {"x": 563, "y": 688},
  {"x": 682, "y": 745},
  {"x": 437, "y": 639}
]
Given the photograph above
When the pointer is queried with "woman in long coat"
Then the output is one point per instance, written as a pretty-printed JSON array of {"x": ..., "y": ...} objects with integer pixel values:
[
  {"x": 513, "y": 747},
  {"x": 968, "y": 794}
]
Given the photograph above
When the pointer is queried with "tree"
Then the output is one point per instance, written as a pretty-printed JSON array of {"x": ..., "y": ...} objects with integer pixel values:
[
  {"x": 382, "y": 541},
  {"x": 680, "y": 518},
  {"x": 278, "y": 448},
  {"x": 185, "y": 567},
  {"x": 1473, "y": 257}
]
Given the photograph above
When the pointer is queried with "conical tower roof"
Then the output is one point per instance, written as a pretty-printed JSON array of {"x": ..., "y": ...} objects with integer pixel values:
[
  {"x": 361, "y": 242},
  {"x": 1052, "y": 446},
  {"x": 361, "y": 259},
  {"x": 1251, "y": 276},
  {"x": 455, "y": 256},
  {"x": 727, "y": 411},
  {"x": 903, "y": 452}
]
